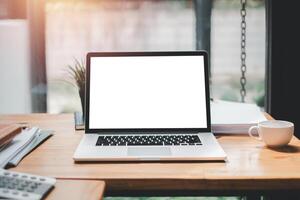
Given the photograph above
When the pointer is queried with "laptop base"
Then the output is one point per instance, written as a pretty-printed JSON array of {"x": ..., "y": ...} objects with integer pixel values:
[{"x": 209, "y": 150}]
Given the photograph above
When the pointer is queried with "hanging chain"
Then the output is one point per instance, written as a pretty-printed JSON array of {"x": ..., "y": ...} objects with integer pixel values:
[{"x": 243, "y": 80}]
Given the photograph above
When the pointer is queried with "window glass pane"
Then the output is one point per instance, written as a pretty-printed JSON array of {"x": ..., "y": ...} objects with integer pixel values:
[
  {"x": 226, "y": 50},
  {"x": 75, "y": 27}
]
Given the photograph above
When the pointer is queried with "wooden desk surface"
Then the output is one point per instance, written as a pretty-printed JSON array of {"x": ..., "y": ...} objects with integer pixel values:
[
  {"x": 250, "y": 165},
  {"x": 77, "y": 190}
]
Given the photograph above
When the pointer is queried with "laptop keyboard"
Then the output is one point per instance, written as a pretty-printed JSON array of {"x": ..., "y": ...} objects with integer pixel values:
[{"x": 147, "y": 140}]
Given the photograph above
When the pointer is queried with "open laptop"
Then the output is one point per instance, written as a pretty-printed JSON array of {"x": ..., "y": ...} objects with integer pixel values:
[{"x": 147, "y": 106}]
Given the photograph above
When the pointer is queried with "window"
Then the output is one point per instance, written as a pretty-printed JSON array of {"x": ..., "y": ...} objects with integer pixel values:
[{"x": 74, "y": 27}]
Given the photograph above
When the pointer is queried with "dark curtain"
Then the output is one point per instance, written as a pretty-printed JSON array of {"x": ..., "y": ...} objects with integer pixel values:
[{"x": 283, "y": 68}]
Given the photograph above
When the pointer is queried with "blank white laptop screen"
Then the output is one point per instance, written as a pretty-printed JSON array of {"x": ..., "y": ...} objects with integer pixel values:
[{"x": 141, "y": 92}]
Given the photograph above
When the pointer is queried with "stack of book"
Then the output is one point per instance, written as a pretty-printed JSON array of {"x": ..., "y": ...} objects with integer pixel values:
[
  {"x": 234, "y": 117},
  {"x": 16, "y": 143}
]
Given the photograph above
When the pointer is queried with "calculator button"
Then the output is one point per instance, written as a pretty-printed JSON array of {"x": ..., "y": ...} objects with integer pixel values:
[
  {"x": 33, "y": 187},
  {"x": 42, "y": 179},
  {"x": 24, "y": 176},
  {"x": 5, "y": 191},
  {"x": 15, "y": 175},
  {"x": 33, "y": 177},
  {"x": 15, "y": 192},
  {"x": 20, "y": 188},
  {"x": 6, "y": 173},
  {"x": 25, "y": 195}
]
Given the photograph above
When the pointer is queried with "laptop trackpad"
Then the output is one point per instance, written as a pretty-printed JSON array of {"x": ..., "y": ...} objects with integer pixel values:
[{"x": 149, "y": 151}]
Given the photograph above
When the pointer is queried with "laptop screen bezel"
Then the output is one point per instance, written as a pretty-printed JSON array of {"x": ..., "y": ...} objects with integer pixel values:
[{"x": 159, "y": 130}]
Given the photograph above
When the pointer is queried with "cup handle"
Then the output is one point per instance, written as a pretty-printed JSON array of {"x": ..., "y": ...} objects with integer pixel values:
[{"x": 251, "y": 135}]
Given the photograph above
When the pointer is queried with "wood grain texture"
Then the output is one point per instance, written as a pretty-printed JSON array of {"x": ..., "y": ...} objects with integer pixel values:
[
  {"x": 77, "y": 190},
  {"x": 250, "y": 165}
]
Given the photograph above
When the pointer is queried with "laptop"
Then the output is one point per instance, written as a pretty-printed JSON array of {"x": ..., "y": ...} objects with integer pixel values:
[{"x": 147, "y": 106}]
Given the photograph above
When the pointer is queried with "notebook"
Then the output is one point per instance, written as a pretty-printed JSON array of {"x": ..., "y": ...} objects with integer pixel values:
[
  {"x": 234, "y": 117},
  {"x": 8, "y": 132}
]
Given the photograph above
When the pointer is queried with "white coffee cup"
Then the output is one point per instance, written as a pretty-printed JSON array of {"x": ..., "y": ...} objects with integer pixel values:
[{"x": 273, "y": 133}]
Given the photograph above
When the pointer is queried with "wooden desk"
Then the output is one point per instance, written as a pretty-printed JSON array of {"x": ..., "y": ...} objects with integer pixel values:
[
  {"x": 77, "y": 190},
  {"x": 251, "y": 167}
]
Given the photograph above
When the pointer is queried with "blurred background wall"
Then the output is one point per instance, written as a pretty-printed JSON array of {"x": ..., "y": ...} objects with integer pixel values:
[{"x": 15, "y": 93}]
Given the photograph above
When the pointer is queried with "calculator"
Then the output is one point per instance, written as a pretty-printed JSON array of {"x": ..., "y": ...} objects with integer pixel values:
[{"x": 16, "y": 185}]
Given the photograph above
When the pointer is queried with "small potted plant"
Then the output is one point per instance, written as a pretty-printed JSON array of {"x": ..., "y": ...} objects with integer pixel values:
[{"x": 77, "y": 73}]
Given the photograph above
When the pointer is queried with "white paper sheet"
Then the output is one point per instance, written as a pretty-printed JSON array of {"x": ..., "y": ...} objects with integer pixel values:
[
  {"x": 38, "y": 138},
  {"x": 16, "y": 145}
]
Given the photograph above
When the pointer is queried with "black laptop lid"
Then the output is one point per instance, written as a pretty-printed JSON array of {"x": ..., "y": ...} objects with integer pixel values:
[{"x": 147, "y": 92}]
